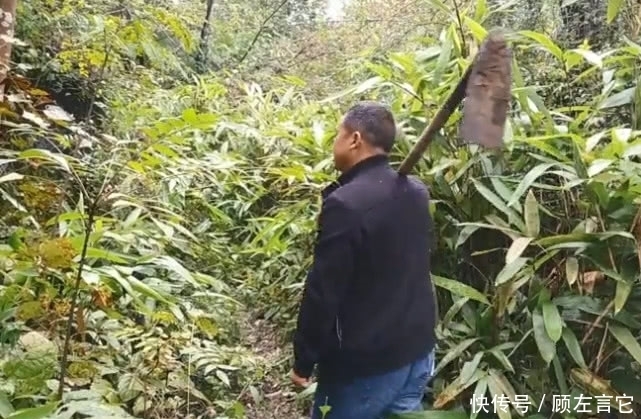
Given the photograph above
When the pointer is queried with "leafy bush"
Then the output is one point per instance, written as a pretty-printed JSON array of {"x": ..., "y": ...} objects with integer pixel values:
[{"x": 134, "y": 254}]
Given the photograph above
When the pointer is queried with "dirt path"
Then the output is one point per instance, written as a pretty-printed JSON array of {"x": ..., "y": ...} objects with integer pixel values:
[{"x": 276, "y": 397}]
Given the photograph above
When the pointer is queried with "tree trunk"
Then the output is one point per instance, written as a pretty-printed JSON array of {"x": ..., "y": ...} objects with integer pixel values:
[
  {"x": 205, "y": 34},
  {"x": 7, "y": 26}
]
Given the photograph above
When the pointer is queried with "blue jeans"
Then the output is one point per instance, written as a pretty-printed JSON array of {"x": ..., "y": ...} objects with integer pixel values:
[{"x": 398, "y": 391}]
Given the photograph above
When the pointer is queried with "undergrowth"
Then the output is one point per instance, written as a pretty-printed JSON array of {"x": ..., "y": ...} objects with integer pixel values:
[{"x": 150, "y": 223}]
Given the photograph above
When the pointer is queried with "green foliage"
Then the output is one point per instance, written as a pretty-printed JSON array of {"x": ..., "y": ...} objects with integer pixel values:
[{"x": 193, "y": 207}]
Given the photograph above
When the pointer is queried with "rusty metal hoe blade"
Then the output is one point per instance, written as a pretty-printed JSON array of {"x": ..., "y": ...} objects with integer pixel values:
[
  {"x": 488, "y": 94},
  {"x": 485, "y": 85}
]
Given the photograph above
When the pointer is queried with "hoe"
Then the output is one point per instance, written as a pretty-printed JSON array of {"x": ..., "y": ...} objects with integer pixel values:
[{"x": 485, "y": 89}]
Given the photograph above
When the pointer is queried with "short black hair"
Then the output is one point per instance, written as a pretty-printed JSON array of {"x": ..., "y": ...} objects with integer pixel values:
[{"x": 374, "y": 121}]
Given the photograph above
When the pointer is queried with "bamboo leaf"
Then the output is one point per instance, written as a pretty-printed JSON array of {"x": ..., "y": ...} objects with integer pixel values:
[
  {"x": 459, "y": 288},
  {"x": 547, "y": 347},
  {"x": 540, "y": 107},
  {"x": 528, "y": 180},
  {"x": 571, "y": 270},
  {"x": 438, "y": 4},
  {"x": 173, "y": 265},
  {"x": 454, "y": 353},
  {"x": 623, "y": 290},
  {"x": 470, "y": 368},
  {"x": 507, "y": 231},
  {"x": 581, "y": 237},
  {"x": 510, "y": 270},
  {"x": 545, "y": 41},
  {"x": 552, "y": 320},
  {"x": 479, "y": 394},
  {"x": 36, "y": 153},
  {"x": 366, "y": 85},
  {"x": 147, "y": 291},
  {"x": 624, "y": 97},
  {"x": 589, "y": 56},
  {"x": 93, "y": 252},
  {"x": 516, "y": 249},
  {"x": 6, "y": 408},
  {"x": 443, "y": 60},
  {"x": 599, "y": 166},
  {"x": 560, "y": 375},
  {"x": 614, "y": 6},
  {"x": 504, "y": 384},
  {"x": 502, "y": 358},
  {"x": 498, "y": 203},
  {"x": 574, "y": 348},
  {"x": 504, "y": 192},
  {"x": 480, "y": 10},
  {"x": 476, "y": 28},
  {"x": 501, "y": 405},
  {"x": 454, "y": 310},
  {"x": 531, "y": 211},
  {"x": 465, "y": 234},
  {"x": 39, "y": 412},
  {"x": 627, "y": 340},
  {"x": 452, "y": 391},
  {"x": 9, "y": 177}
]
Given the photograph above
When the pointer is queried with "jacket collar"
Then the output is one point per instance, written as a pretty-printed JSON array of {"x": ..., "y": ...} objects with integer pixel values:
[{"x": 357, "y": 169}]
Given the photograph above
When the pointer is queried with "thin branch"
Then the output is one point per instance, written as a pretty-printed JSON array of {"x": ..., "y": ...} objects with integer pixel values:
[
  {"x": 262, "y": 28},
  {"x": 89, "y": 224},
  {"x": 74, "y": 299},
  {"x": 205, "y": 33},
  {"x": 597, "y": 322},
  {"x": 460, "y": 27},
  {"x": 101, "y": 74}
]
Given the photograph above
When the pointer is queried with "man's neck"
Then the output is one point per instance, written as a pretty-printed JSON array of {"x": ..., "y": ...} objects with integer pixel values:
[
  {"x": 366, "y": 157},
  {"x": 365, "y": 162},
  {"x": 349, "y": 174}
]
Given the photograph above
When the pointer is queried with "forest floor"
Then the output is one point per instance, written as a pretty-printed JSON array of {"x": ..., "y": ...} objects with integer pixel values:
[{"x": 277, "y": 396}]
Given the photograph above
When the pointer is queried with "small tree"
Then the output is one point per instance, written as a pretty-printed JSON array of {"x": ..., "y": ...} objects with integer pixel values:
[{"x": 7, "y": 26}]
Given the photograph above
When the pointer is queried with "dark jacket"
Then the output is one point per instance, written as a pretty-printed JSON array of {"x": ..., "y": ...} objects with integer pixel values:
[{"x": 368, "y": 305}]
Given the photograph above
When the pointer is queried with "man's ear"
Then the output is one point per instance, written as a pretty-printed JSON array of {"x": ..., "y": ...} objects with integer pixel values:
[{"x": 355, "y": 140}]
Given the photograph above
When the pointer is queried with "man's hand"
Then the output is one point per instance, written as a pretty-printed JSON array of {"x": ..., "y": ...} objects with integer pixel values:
[{"x": 299, "y": 381}]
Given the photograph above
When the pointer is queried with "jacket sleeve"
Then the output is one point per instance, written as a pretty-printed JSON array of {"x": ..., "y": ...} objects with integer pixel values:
[{"x": 332, "y": 269}]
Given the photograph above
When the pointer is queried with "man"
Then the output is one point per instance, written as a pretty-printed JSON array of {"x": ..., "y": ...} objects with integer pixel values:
[{"x": 367, "y": 315}]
